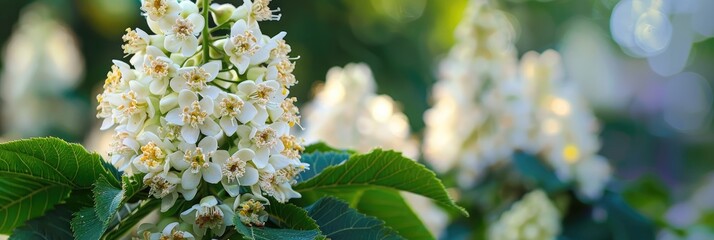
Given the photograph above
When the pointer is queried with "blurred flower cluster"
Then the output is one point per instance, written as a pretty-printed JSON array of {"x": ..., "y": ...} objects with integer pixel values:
[
  {"x": 43, "y": 65},
  {"x": 534, "y": 217},
  {"x": 488, "y": 106},
  {"x": 347, "y": 113},
  {"x": 194, "y": 108}
]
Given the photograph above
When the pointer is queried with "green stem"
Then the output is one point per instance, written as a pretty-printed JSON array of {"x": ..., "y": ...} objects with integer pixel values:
[{"x": 206, "y": 35}]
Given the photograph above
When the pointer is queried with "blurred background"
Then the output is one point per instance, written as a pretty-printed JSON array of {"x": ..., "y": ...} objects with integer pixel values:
[{"x": 652, "y": 95}]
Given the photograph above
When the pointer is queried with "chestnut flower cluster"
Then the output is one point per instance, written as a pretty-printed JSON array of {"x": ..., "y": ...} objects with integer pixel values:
[{"x": 195, "y": 110}]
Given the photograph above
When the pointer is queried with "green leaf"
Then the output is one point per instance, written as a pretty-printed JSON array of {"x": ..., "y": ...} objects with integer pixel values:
[
  {"x": 378, "y": 169},
  {"x": 319, "y": 161},
  {"x": 338, "y": 221},
  {"x": 109, "y": 199},
  {"x": 625, "y": 222},
  {"x": 86, "y": 225},
  {"x": 132, "y": 218},
  {"x": 36, "y": 174},
  {"x": 534, "y": 169},
  {"x": 323, "y": 147},
  {"x": 53, "y": 225},
  {"x": 287, "y": 215},
  {"x": 256, "y": 233},
  {"x": 53, "y": 161},
  {"x": 22, "y": 199},
  {"x": 391, "y": 207}
]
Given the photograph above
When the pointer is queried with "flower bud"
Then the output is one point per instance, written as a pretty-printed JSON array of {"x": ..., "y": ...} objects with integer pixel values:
[
  {"x": 168, "y": 102},
  {"x": 222, "y": 12},
  {"x": 255, "y": 72}
]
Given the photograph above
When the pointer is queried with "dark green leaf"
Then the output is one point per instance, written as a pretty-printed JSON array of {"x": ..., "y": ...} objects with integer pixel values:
[
  {"x": 625, "y": 222},
  {"x": 388, "y": 205},
  {"x": 131, "y": 217},
  {"x": 36, "y": 174},
  {"x": 533, "y": 169},
  {"x": 290, "y": 216},
  {"x": 53, "y": 225},
  {"x": 338, "y": 221},
  {"x": 378, "y": 169},
  {"x": 257, "y": 233},
  {"x": 86, "y": 225},
  {"x": 319, "y": 161}
]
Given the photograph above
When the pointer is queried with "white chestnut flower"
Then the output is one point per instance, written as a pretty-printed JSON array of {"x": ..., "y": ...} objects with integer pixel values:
[
  {"x": 193, "y": 116},
  {"x": 266, "y": 96},
  {"x": 195, "y": 162},
  {"x": 135, "y": 42},
  {"x": 170, "y": 232},
  {"x": 164, "y": 186},
  {"x": 157, "y": 69},
  {"x": 132, "y": 107},
  {"x": 264, "y": 140},
  {"x": 237, "y": 170},
  {"x": 257, "y": 10},
  {"x": 154, "y": 153},
  {"x": 277, "y": 183},
  {"x": 233, "y": 111},
  {"x": 197, "y": 79},
  {"x": 122, "y": 149},
  {"x": 182, "y": 38},
  {"x": 246, "y": 45},
  {"x": 209, "y": 214},
  {"x": 162, "y": 12}
]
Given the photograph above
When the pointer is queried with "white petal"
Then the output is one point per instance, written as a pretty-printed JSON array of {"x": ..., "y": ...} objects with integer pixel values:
[
  {"x": 210, "y": 128},
  {"x": 154, "y": 51},
  {"x": 261, "y": 116},
  {"x": 168, "y": 201},
  {"x": 188, "y": 194},
  {"x": 158, "y": 86},
  {"x": 172, "y": 43},
  {"x": 210, "y": 92},
  {"x": 174, "y": 117},
  {"x": 279, "y": 161},
  {"x": 186, "y": 98},
  {"x": 239, "y": 27},
  {"x": 189, "y": 46},
  {"x": 250, "y": 177},
  {"x": 261, "y": 56},
  {"x": 190, "y": 180},
  {"x": 208, "y": 144},
  {"x": 245, "y": 154},
  {"x": 212, "y": 69},
  {"x": 247, "y": 87},
  {"x": 135, "y": 122},
  {"x": 168, "y": 102},
  {"x": 220, "y": 157},
  {"x": 178, "y": 83},
  {"x": 107, "y": 123},
  {"x": 261, "y": 158},
  {"x": 177, "y": 161},
  {"x": 212, "y": 174},
  {"x": 247, "y": 113},
  {"x": 232, "y": 189},
  {"x": 197, "y": 21},
  {"x": 241, "y": 62},
  {"x": 229, "y": 125},
  {"x": 190, "y": 134}
]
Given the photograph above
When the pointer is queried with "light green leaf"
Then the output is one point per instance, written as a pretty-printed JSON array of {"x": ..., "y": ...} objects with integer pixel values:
[
  {"x": 108, "y": 199},
  {"x": 36, "y": 174},
  {"x": 378, "y": 169},
  {"x": 391, "y": 207},
  {"x": 338, "y": 221}
]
